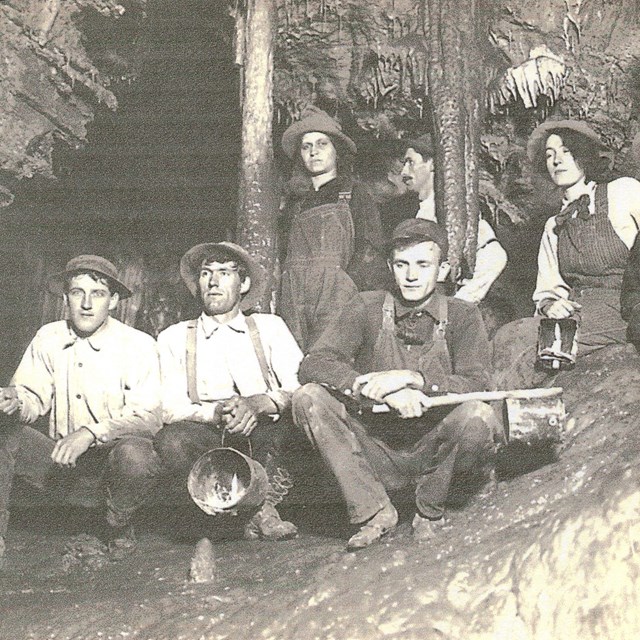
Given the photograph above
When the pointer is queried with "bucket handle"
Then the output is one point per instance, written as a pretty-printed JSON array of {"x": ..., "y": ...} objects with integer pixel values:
[{"x": 224, "y": 431}]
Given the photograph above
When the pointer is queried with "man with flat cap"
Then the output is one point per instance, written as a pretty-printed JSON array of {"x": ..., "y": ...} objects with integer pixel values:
[
  {"x": 418, "y": 174},
  {"x": 397, "y": 347},
  {"x": 335, "y": 245},
  {"x": 99, "y": 382},
  {"x": 227, "y": 377}
]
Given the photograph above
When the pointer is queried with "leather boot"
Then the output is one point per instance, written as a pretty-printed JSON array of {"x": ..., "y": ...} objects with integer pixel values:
[
  {"x": 383, "y": 522},
  {"x": 266, "y": 523}
]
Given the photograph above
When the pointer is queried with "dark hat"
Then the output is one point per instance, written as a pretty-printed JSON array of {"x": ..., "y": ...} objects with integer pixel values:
[
  {"x": 84, "y": 263},
  {"x": 191, "y": 264},
  {"x": 314, "y": 119},
  {"x": 422, "y": 145},
  {"x": 540, "y": 134},
  {"x": 414, "y": 228}
]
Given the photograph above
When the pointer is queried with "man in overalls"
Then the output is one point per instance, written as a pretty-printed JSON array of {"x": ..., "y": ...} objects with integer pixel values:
[
  {"x": 393, "y": 348},
  {"x": 228, "y": 378}
]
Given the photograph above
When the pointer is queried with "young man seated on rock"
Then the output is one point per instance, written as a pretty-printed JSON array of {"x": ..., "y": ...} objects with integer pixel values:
[
  {"x": 99, "y": 382},
  {"x": 396, "y": 348},
  {"x": 227, "y": 377}
]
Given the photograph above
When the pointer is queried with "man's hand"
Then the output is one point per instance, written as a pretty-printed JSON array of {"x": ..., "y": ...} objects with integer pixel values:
[
  {"x": 378, "y": 384},
  {"x": 9, "y": 402},
  {"x": 71, "y": 447},
  {"x": 409, "y": 403},
  {"x": 562, "y": 308},
  {"x": 240, "y": 414}
]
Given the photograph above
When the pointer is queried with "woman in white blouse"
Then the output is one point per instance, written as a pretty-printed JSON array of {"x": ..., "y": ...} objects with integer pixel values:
[
  {"x": 585, "y": 248},
  {"x": 583, "y": 252}
]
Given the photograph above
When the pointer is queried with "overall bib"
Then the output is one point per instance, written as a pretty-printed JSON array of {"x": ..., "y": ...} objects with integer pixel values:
[{"x": 315, "y": 285}]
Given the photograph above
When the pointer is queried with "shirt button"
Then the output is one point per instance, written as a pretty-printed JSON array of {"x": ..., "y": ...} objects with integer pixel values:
[
  {"x": 79, "y": 364},
  {"x": 78, "y": 396},
  {"x": 434, "y": 387}
]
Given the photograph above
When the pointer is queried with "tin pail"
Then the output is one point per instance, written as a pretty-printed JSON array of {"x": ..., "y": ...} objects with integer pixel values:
[
  {"x": 557, "y": 343},
  {"x": 225, "y": 480}
]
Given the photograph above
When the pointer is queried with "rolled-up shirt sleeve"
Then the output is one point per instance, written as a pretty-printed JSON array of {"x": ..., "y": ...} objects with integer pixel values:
[
  {"x": 549, "y": 284},
  {"x": 491, "y": 259}
]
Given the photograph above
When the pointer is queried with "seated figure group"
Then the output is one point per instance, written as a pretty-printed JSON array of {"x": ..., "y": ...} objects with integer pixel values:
[{"x": 364, "y": 322}]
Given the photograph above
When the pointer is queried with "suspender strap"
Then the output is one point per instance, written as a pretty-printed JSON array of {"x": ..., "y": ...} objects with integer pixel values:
[
  {"x": 254, "y": 334},
  {"x": 192, "y": 386}
]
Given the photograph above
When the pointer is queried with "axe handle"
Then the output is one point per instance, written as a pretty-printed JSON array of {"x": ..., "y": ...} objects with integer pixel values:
[{"x": 484, "y": 396}]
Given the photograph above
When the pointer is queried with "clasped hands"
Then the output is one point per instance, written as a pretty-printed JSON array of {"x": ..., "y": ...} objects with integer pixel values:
[
  {"x": 401, "y": 389},
  {"x": 239, "y": 414}
]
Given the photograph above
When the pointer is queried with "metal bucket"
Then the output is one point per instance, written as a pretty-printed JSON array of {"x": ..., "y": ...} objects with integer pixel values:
[
  {"x": 557, "y": 343},
  {"x": 224, "y": 481}
]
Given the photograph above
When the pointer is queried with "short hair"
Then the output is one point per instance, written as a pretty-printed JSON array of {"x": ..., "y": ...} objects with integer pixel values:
[
  {"x": 586, "y": 152},
  {"x": 223, "y": 254},
  {"x": 96, "y": 276},
  {"x": 400, "y": 244}
]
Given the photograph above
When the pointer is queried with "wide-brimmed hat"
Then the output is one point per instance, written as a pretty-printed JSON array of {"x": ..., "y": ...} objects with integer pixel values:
[
  {"x": 84, "y": 263},
  {"x": 314, "y": 119},
  {"x": 540, "y": 134},
  {"x": 422, "y": 145},
  {"x": 421, "y": 228},
  {"x": 191, "y": 264}
]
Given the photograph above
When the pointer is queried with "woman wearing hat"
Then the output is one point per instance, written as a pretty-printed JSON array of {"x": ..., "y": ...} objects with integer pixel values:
[
  {"x": 583, "y": 252},
  {"x": 335, "y": 242},
  {"x": 585, "y": 248}
]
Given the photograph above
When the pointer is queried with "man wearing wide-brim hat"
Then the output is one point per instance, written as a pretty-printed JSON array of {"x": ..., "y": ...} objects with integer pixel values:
[
  {"x": 99, "y": 382},
  {"x": 227, "y": 377},
  {"x": 335, "y": 242},
  {"x": 398, "y": 347}
]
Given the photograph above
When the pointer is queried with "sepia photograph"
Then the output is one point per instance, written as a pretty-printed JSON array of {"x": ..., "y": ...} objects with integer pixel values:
[{"x": 319, "y": 319}]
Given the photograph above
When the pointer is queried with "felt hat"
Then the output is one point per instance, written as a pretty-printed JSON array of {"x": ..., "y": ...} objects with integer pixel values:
[
  {"x": 314, "y": 119},
  {"x": 89, "y": 263},
  {"x": 540, "y": 134},
  {"x": 425, "y": 229},
  {"x": 422, "y": 145},
  {"x": 191, "y": 264}
]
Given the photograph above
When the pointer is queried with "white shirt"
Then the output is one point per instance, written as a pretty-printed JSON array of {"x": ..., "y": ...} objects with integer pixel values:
[
  {"x": 108, "y": 382},
  {"x": 624, "y": 213},
  {"x": 226, "y": 364},
  {"x": 491, "y": 258}
]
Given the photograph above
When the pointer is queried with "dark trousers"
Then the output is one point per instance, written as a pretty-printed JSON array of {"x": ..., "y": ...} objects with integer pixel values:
[
  {"x": 366, "y": 467},
  {"x": 180, "y": 444},
  {"x": 126, "y": 468}
]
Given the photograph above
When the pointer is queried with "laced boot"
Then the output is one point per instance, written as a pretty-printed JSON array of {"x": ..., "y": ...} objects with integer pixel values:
[
  {"x": 266, "y": 523},
  {"x": 383, "y": 522}
]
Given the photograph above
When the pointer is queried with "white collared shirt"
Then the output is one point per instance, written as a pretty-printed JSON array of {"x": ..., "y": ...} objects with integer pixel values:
[
  {"x": 109, "y": 382},
  {"x": 226, "y": 364},
  {"x": 491, "y": 258},
  {"x": 624, "y": 213}
]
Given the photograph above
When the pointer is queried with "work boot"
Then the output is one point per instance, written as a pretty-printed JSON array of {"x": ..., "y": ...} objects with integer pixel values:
[
  {"x": 121, "y": 542},
  {"x": 383, "y": 522},
  {"x": 426, "y": 529},
  {"x": 268, "y": 525}
]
